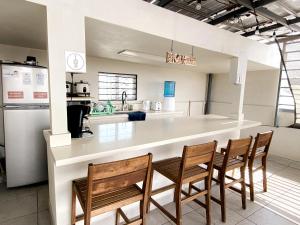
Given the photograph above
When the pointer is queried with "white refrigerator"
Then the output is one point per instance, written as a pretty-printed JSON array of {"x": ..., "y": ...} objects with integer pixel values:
[{"x": 24, "y": 114}]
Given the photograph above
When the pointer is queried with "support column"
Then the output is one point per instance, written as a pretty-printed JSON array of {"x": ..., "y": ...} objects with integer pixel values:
[
  {"x": 237, "y": 76},
  {"x": 66, "y": 32}
]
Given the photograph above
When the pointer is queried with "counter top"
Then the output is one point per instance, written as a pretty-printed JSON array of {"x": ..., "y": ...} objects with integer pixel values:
[
  {"x": 125, "y": 115},
  {"x": 133, "y": 136}
]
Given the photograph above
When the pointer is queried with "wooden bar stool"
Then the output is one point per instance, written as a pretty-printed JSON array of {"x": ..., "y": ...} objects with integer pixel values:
[
  {"x": 187, "y": 170},
  {"x": 233, "y": 157},
  {"x": 259, "y": 152},
  {"x": 110, "y": 186}
]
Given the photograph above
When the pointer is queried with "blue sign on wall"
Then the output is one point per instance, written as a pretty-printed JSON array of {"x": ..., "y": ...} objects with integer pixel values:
[{"x": 169, "y": 90}]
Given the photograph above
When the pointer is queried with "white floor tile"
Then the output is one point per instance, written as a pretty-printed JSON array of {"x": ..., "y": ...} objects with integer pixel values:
[
  {"x": 279, "y": 206},
  {"x": 43, "y": 198},
  {"x": 232, "y": 217},
  {"x": 15, "y": 193},
  {"x": 234, "y": 202},
  {"x": 267, "y": 217},
  {"x": 44, "y": 218},
  {"x": 172, "y": 209},
  {"x": 246, "y": 222},
  {"x": 279, "y": 160},
  {"x": 24, "y": 220},
  {"x": 21, "y": 206},
  {"x": 193, "y": 218},
  {"x": 295, "y": 165},
  {"x": 156, "y": 218}
]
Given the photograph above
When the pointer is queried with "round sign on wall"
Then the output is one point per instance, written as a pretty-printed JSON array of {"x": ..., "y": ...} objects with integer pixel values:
[{"x": 75, "y": 62}]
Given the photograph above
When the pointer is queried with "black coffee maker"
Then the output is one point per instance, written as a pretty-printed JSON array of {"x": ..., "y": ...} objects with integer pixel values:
[{"x": 76, "y": 114}]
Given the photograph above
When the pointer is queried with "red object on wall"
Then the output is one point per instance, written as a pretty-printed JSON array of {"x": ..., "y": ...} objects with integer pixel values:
[
  {"x": 40, "y": 95},
  {"x": 15, "y": 94}
]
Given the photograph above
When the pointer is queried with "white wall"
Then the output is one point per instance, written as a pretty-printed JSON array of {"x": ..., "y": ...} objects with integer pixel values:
[
  {"x": 168, "y": 24},
  {"x": 259, "y": 105},
  {"x": 15, "y": 53},
  {"x": 190, "y": 86},
  {"x": 260, "y": 95}
]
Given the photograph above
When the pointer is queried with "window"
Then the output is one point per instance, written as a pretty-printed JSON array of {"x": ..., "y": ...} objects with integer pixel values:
[
  {"x": 111, "y": 86},
  {"x": 289, "y": 80},
  {"x": 286, "y": 100}
]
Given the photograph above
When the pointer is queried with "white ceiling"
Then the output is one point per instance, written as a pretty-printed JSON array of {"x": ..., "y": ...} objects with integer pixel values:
[
  {"x": 25, "y": 24},
  {"x": 106, "y": 40}
]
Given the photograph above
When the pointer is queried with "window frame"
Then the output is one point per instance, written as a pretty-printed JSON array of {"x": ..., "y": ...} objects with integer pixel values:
[
  {"x": 285, "y": 78},
  {"x": 119, "y": 74}
]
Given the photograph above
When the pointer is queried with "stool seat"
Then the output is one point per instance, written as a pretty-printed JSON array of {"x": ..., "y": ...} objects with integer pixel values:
[
  {"x": 114, "y": 199},
  {"x": 233, "y": 157},
  {"x": 195, "y": 165},
  {"x": 259, "y": 153},
  {"x": 170, "y": 168},
  {"x": 232, "y": 163},
  {"x": 111, "y": 186}
]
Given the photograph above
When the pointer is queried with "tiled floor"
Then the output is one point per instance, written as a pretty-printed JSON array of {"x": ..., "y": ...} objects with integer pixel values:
[{"x": 279, "y": 206}]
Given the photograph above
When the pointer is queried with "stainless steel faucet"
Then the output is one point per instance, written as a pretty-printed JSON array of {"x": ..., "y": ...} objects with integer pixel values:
[{"x": 124, "y": 100}]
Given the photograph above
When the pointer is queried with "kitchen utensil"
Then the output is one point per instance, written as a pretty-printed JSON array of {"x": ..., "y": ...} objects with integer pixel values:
[
  {"x": 68, "y": 87},
  {"x": 146, "y": 105},
  {"x": 82, "y": 87},
  {"x": 156, "y": 106}
]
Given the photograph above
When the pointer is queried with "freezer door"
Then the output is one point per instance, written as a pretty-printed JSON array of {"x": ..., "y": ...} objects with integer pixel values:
[
  {"x": 25, "y": 147},
  {"x": 1, "y": 128},
  {"x": 24, "y": 85}
]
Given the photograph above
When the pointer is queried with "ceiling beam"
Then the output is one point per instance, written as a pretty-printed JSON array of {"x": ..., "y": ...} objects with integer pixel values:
[
  {"x": 267, "y": 14},
  {"x": 240, "y": 11},
  {"x": 272, "y": 27},
  {"x": 229, "y": 15},
  {"x": 164, "y": 3}
]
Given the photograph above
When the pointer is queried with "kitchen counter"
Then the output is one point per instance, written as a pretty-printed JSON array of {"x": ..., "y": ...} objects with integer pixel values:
[
  {"x": 123, "y": 117},
  {"x": 133, "y": 136},
  {"x": 164, "y": 138}
]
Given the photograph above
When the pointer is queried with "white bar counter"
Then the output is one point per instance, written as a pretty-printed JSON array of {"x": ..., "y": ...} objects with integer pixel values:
[
  {"x": 123, "y": 117},
  {"x": 164, "y": 137}
]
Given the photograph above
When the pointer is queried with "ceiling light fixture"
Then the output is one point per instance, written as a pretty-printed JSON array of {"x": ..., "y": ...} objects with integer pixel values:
[
  {"x": 142, "y": 55},
  {"x": 198, "y": 5}
]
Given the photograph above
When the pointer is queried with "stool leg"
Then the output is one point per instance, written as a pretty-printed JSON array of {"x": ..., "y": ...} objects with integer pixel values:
[
  {"x": 73, "y": 212},
  {"x": 178, "y": 205},
  {"x": 143, "y": 211},
  {"x": 222, "y": 196},
  {"x": 264, "y": 163},
  {"x": 251, "y": 181},
  {"x": 243, "y": 187},
  {"x": 117, "y": 217},
  {"x": 150, "y": 190},
  {"x": 207, "y": 200},
  {"x": 190, "y": 188}
]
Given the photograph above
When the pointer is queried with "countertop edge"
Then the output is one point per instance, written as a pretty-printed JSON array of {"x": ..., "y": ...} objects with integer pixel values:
[{"x": 79, "y": 159}]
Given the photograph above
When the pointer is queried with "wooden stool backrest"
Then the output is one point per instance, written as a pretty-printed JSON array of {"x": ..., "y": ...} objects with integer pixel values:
[
  {"x": 199, "y": 154},
  {"x": 262, "y": 140},
  {"x": 112, "y": 176},
  {"x": 237, "y": 149}
]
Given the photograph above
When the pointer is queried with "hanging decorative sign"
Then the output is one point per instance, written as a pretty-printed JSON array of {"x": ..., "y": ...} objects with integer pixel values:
[
  {"x": 75, "y": 62},
  {"x": 175, "y": 58}
]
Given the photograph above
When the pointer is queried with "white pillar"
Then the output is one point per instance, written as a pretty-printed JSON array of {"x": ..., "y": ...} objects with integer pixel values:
[
  {"x": 66, "y": 32},
  {"x": 237, "y": 76}
]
